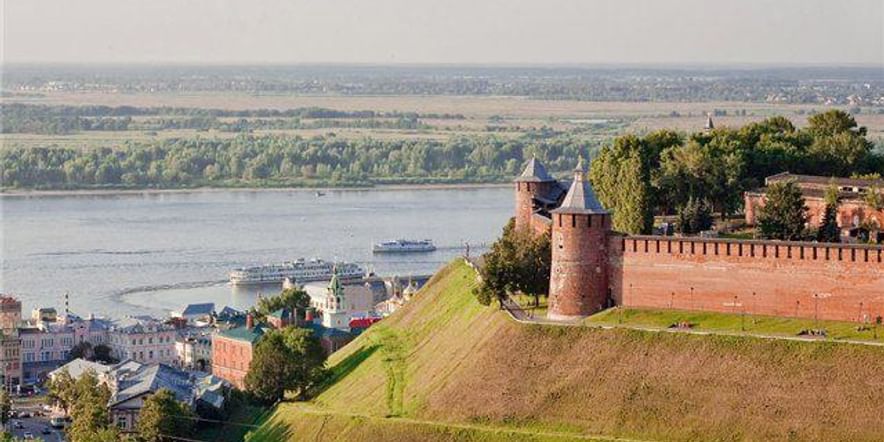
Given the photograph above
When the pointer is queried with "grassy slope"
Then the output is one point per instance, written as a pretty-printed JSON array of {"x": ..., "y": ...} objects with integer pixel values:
[
  {"x": 445, "y": 359},
  {"x": 734, "y": 323}
]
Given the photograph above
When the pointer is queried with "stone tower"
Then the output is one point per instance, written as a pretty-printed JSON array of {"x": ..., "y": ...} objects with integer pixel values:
[
  {"x": 580, "y": 227},
  {"x": 534, "y": 182}
]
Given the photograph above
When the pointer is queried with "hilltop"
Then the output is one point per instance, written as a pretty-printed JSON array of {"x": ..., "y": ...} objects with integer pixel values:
[{"x": 446, "y": 368}]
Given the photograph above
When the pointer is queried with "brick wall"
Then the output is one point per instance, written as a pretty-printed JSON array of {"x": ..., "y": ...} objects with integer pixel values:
[
  {"x": 758, "y": 277},
  {"x": 850, "y": 211},
  {"x": 231, "y": 359}
]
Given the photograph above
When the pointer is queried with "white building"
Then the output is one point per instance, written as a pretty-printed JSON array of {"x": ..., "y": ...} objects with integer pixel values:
[
  {"x": 337, "y": 303},
  {"x": 143, "y": 339}
]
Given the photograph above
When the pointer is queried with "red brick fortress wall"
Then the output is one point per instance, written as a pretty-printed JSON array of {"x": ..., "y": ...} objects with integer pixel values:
[{"x": 790, "y": 279}]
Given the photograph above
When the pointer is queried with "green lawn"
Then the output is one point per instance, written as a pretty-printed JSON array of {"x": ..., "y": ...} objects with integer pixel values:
[
  {"x": 735, "y": 323},
  {"x": 527, "y": 302}
]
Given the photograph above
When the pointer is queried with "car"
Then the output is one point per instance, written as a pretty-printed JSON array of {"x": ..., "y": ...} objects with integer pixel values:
[
  {"x": 17, "y": 425},
  {"x": 46, "y": 430},
  {"x": 24, "y": 414},
  {"x": 28, "y": 435}
]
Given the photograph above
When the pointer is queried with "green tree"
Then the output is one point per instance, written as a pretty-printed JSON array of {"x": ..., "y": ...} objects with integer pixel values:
[
  {"x": 518, "y": 261},
  {"x": 162, "y": 415},
  {"x": 102, "y": 353},
  {"x": 784, "y": 214},
  {"x": 81, "y": 350},
  {"x": 287, "y": 359},
  {"x": 89, "y": 410},
  {"x": 294, "y": 299},
  {"x": 829, "y": 231},
  {"x": 62, "y": 389},
  {"x": 694, "y": 217},
  {"x": 833, "y": 122},
  {"x": 5, "y": 407},
  {"x": 621, "y": 177}
]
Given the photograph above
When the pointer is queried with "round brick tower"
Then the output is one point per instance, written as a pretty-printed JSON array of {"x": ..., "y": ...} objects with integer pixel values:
[
  {"x": 579, "y": 281},
  {"x": 534, "y": 182}
]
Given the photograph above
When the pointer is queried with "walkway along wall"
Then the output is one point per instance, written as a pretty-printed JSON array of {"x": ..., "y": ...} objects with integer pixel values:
[{"x": 790, "y": 279}]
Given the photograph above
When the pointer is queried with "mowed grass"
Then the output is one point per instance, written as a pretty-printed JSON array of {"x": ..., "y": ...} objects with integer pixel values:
[
  {"x": 736, "y": 323},
  {"x": 453, "y": 369}
]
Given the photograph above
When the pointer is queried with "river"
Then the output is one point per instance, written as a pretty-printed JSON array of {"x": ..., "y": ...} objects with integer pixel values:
[{"x": 152, "y": 252}]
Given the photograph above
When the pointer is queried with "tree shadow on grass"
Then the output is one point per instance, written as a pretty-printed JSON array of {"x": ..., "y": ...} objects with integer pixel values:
[{"x": 346, "y": 366}]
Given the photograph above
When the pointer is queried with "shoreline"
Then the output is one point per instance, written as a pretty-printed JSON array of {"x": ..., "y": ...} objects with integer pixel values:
[{"x": 379, "y": 187}]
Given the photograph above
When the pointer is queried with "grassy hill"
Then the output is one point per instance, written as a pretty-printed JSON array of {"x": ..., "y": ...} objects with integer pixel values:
[{"x": 446, "y": 368}]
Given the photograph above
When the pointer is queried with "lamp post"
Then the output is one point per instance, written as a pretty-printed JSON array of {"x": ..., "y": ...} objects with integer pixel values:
[
  {"x": 692, "y": 298},
  {"x": 754, "y": 307},
  {"x": 671, "y": 299}
]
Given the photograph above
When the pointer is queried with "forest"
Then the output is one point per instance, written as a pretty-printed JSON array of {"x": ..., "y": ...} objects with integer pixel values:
[{"x": 57, "y": 120}]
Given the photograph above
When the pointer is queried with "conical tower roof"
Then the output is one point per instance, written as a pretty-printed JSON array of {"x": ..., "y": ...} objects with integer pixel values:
[
  {"x": 534, "y": 173},
  {"x": 581, "y": 198}
]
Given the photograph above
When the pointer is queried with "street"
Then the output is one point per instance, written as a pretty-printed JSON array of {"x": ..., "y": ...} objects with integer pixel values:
[{"x": 34, "y": 425}]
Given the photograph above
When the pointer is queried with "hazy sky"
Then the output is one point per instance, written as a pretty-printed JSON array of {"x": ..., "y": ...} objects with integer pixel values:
[{"x": 445, "y": 31}]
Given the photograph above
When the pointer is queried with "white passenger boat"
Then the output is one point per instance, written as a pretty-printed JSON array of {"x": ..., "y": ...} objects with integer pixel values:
[
  {"x": 299, "y": 271},
  {"x": 404, "y": 246}
]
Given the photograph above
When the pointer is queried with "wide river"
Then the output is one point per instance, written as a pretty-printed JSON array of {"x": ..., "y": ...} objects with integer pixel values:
[{"x": 149, "y": 253}]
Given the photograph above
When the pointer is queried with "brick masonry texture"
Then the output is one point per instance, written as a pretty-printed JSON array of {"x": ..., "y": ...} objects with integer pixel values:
[
  {"x": 578, "y": 283},
  {"x": 808, "y": 280},
  {"x": 593, "y": 267}
]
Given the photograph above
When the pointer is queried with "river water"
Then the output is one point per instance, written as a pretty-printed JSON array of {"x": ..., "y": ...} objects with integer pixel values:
[{"x": 149, "y": 253}]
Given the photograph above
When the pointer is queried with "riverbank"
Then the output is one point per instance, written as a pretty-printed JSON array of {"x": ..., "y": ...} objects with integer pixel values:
[{"x": 379, "y": 187}]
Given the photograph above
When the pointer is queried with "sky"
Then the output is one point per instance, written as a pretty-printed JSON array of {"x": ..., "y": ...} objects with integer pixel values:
[{"x": 698, "y": 32}]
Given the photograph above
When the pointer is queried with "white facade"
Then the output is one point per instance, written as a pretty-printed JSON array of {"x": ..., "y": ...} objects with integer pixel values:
[{"x": 142, "y": 339}]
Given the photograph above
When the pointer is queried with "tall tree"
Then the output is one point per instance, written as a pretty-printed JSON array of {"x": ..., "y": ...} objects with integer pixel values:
[
  {"x": 287, "y": 359},
  {"x": 89, "y": 410},
  {"x": 517, "y": 262},
  {"x": 784, "y": 214},
  {"x": 163, "y": 416},
  {"x": 5, "y": 407},
  {"x": 694, "y": 217},
  {"x": 829, "y": 230},
  {"x": 62, "y": 389},
  {"x": 621, "y": 177}
]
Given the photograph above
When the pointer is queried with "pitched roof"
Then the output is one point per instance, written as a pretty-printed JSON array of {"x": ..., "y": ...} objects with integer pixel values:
[
  {"x": 534, "y": 172},
  {"x": 152, "y": 378},
  {"x": 581, "y": 198},
  {"x": 198, "y": 309},
  {"x": 79, "y": 366},
  {"x": 246, "y": 334}
]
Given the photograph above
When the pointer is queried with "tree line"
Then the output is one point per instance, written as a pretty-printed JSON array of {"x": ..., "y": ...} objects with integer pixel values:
[
  {"x": 284, "y": 160},
  {"x": 666, "y": 172},
  {"x": 61, "y": 119}
]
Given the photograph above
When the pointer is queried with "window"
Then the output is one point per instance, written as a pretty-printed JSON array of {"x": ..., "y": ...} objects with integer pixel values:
[
  {"x": 122, "y": 422},
  {"x": 150, "y": 340},
  {"x": 29, "y": 357},
  {"x": 150, "y": 354}
]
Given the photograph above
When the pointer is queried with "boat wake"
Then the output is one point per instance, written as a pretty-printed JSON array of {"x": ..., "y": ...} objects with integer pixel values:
[{"x": 119, "y": 294}]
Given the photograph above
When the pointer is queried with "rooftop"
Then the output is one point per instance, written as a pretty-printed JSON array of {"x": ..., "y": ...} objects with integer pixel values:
[
  {"x": 824, "y": 180},
  {"x": 152, "y": 378},
  {"x": 581, "y": 198},
  {"x": 250, "y": 335},
  {"x": 198, "y": 309},
  {"x": 535, "y": 172}
]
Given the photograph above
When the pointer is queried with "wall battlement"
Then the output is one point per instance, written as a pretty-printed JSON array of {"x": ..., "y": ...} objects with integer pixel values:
[
  {"x": 789, "y": 279},
  {"x": 737, "y": 248},
  {"x": 594, "y": 267}
]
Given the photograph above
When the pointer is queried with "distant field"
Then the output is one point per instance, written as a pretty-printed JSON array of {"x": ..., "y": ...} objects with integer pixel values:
[{"x": 478, "y": 110}]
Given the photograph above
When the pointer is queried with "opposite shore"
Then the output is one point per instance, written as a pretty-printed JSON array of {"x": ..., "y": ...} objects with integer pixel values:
[{"x": 379, "y": 187}]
